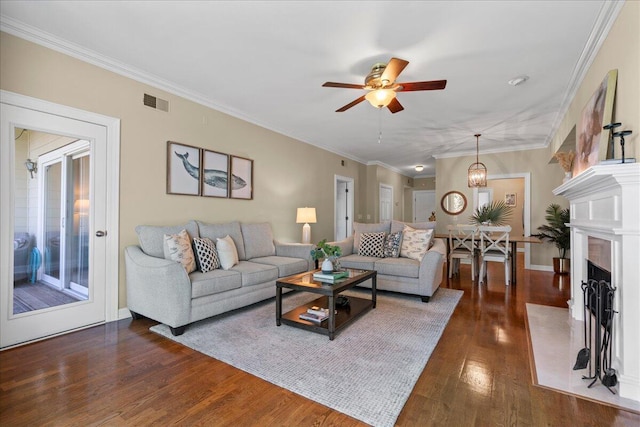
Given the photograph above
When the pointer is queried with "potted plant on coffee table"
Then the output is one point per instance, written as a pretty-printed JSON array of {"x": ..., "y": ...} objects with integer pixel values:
[
  {"x": 330, "y": 253},
  {"x": 557, "y": 232}
]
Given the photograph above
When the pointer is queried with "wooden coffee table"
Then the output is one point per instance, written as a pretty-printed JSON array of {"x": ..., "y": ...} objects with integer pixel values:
[{"x": 344, "y": 316}]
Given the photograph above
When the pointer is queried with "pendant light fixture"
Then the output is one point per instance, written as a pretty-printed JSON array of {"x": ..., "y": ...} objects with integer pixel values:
[{"x": 477, "y": 175}]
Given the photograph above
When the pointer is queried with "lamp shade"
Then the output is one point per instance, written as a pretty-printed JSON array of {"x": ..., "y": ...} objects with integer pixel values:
[
  {"x": 380, "y": 97},
  {"x": 477, "y": 175},
  {"x": 306, "y": 216}
]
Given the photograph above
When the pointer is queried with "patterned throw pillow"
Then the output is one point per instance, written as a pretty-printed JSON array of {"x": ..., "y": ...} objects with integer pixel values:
[
  {"x": 415, "y": 243},
  {"x": 178, "y": 248},
  {"x": 206, "y": 254},
  {"x": 227, "y": 252},
  {"x": 392, "y": 245},
  {"x": 371, "y": 244}
]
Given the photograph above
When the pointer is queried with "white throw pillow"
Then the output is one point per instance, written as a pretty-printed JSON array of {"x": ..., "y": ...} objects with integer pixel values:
[
  {"x": 415, "y": 243},
  {"x": 227, "y": 252},
  {"x": 178, "y": 248}
]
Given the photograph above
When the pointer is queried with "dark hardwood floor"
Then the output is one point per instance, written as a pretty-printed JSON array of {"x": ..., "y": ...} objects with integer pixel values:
[{"x": 122, "y": 374}]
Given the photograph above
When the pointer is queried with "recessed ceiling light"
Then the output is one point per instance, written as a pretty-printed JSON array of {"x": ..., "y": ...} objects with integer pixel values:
[
  {"x": 419, "y": 168},
  {"x": 516, "y": 81}
]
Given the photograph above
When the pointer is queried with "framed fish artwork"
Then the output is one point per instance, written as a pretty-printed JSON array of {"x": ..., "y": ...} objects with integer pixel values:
[
  {"x": 241, "y": 178},
  {"x": 215, "y": 174},
  {"x": 183, "y": 169}
]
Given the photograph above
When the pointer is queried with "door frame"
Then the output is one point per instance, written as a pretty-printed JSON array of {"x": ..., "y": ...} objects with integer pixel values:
[
  {"x": 7, "y": 191},
  {"x": 350, "y": 209}
]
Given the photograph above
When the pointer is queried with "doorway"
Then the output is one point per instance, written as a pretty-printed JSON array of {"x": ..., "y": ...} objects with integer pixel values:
[
  {"x": 424, "y": 205},
  {"x": 386, "y": 203},
  {"x": 344, "y": 198},
  {"x": 58, "y": 176}
]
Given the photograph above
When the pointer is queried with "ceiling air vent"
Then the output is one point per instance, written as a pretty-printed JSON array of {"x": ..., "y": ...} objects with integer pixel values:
[{"x": 157, "y": 103}]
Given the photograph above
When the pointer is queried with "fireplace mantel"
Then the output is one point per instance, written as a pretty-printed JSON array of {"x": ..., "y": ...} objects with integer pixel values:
[{"x": 605, "y": 204}]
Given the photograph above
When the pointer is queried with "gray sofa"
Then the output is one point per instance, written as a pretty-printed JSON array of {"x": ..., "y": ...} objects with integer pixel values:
[
  {"x": 161, "y": 289},
  {"x": 400, "y": 274}
]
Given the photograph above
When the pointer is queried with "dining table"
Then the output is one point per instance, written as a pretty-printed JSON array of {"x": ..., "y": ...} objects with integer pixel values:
[{"x": 513, "y": 243}]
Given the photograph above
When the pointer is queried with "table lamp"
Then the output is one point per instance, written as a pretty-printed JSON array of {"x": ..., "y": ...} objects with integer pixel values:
[{"x": 306, "y": 216}]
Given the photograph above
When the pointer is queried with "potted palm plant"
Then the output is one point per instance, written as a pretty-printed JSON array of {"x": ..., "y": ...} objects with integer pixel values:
[
  {"x": 557, "y": 232},
  {"x": 494, "y": 213}
]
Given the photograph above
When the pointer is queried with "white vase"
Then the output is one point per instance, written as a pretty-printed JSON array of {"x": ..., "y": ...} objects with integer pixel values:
[{"x": 327, "y": 266}]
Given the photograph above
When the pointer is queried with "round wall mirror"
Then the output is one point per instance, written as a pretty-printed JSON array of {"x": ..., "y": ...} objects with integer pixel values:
[{"x": 454, "y": 203}]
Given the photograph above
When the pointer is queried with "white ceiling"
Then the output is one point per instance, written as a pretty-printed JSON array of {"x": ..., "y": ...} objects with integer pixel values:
[{"x": 265, "y": 62}]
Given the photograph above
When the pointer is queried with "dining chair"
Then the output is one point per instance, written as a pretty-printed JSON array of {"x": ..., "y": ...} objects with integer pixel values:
[
  {"x": 494, "y": 246},
  {"x": 462, "y": 245}
]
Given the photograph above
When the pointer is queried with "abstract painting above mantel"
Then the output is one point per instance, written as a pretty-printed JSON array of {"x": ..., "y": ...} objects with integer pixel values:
[{"x": 592, "y": 144}]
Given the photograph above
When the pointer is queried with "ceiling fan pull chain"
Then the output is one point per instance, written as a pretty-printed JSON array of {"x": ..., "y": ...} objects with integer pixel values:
[{"x": 380, "y": 126}]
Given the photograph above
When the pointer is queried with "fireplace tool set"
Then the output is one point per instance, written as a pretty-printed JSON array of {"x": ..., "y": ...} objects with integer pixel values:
[{"x": 598, "y": 327}]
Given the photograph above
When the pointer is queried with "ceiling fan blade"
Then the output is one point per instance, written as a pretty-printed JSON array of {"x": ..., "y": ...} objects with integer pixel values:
[
  {"x": 351, "y": 104},
  {"x": 393, "y": 69},
  {"x": 413, "y": 86},
  {"x": 395, "y": 106},
  {"x": 343, "y": 85}
]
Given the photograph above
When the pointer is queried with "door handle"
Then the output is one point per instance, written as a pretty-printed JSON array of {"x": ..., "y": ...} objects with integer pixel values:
[{"x": 101, "y": 233}]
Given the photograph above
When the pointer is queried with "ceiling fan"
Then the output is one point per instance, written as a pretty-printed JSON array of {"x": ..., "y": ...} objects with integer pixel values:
[{"x": 382, "y": 86}]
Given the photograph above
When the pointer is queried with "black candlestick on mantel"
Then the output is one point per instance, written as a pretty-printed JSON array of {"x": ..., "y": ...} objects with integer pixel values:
[
  {"x": 622, "y": 134},
  {"x": 609, "y": 127}
]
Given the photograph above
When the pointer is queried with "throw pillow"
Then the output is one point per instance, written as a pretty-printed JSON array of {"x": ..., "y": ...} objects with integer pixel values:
[
  {"x": 415, "y": 243},
  {"x": 178, "y": 248},
  {"x": 392, "y": 245},
  {"x": 227, "y": 252},
  {"x": 371, "y": 244},
  {"x": 206, "y": 254}
]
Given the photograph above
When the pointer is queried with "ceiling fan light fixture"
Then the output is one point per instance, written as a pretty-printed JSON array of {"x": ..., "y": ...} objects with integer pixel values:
[
  {"x": 419, "y": 168},
  {"x": 477, "y": 173},
  {"x": 380, "y": 98}
]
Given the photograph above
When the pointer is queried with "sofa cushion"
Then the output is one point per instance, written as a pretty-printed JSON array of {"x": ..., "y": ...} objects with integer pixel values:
[
  {"x": 359, "y": 228},
  {"x": 254, "y": 273},
  {"x": 358, "y": 261},
  {"x": 206, "y": 254},
  {"x": 415, "y": 243},
  {"x": 214, "y": 282},
  {"x": 392, "y": 245},
  {"x": 399, "y": 225},
  {"x": 286, "y": 266},
  {"x": 404, "y": 267},
  {"x": 216, "y": 231},
  {"x": 227, "y": 252},
  {"x": 258, "y": 240},
  {"x": 372, "y": 244},
  {"x": 178, "y": 248},
  {"x": 151, "y": 237}
]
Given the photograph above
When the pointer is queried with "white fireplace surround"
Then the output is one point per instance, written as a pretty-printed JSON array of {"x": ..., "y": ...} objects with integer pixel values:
[{"x": 605, "y": 204}]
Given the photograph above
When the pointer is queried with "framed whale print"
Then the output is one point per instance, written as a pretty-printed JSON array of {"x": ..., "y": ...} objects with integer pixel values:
[
  {"x": 241, "y": 178},
  {"x": 215, "y": 174},
  {"x": 183, "y": 169}
]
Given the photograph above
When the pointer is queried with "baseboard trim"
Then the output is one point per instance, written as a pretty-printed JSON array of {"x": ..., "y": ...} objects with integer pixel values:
[{"x": 124, "y": 313}]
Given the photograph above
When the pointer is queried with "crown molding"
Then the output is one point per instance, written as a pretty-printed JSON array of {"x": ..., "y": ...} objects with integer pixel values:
[
  {"x": 609, "y": 11},
  {"x": 489, "y": 151}
]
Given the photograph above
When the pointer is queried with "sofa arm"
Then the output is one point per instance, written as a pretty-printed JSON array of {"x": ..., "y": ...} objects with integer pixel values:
[
  {"x": 157, "y": 288},
  {"x": 431, "y": 266},
  {"x": 346, "y": 245},
  {"x": 295, "y": 250}
]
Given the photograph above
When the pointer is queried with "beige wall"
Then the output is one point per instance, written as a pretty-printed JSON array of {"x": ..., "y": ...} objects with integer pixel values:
[
  {"x": 544, "y": 178},
  {"x": 621, "y": 51},
  {"x": 377, "y": 175},
  {"x": 287, "y": 173}
]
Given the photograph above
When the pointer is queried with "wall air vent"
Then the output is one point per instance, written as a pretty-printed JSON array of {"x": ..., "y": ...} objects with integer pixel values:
[{"x": 154, "y": 102}]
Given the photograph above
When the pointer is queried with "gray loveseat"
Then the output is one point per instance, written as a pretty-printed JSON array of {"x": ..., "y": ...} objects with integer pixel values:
[
  {"x": 399, "y": 274},
  {"x": 161, "y": 289}
]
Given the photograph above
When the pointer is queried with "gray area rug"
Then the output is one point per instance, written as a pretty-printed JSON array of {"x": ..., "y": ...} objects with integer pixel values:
[{"x": 384, "y": 351}]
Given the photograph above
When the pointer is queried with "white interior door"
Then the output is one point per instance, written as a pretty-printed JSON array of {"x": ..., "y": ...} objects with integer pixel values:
[
  {"x": 424, "y": 204},
  {"x": 386, "y": 202},
  {"x": 65, "y": 209}
]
